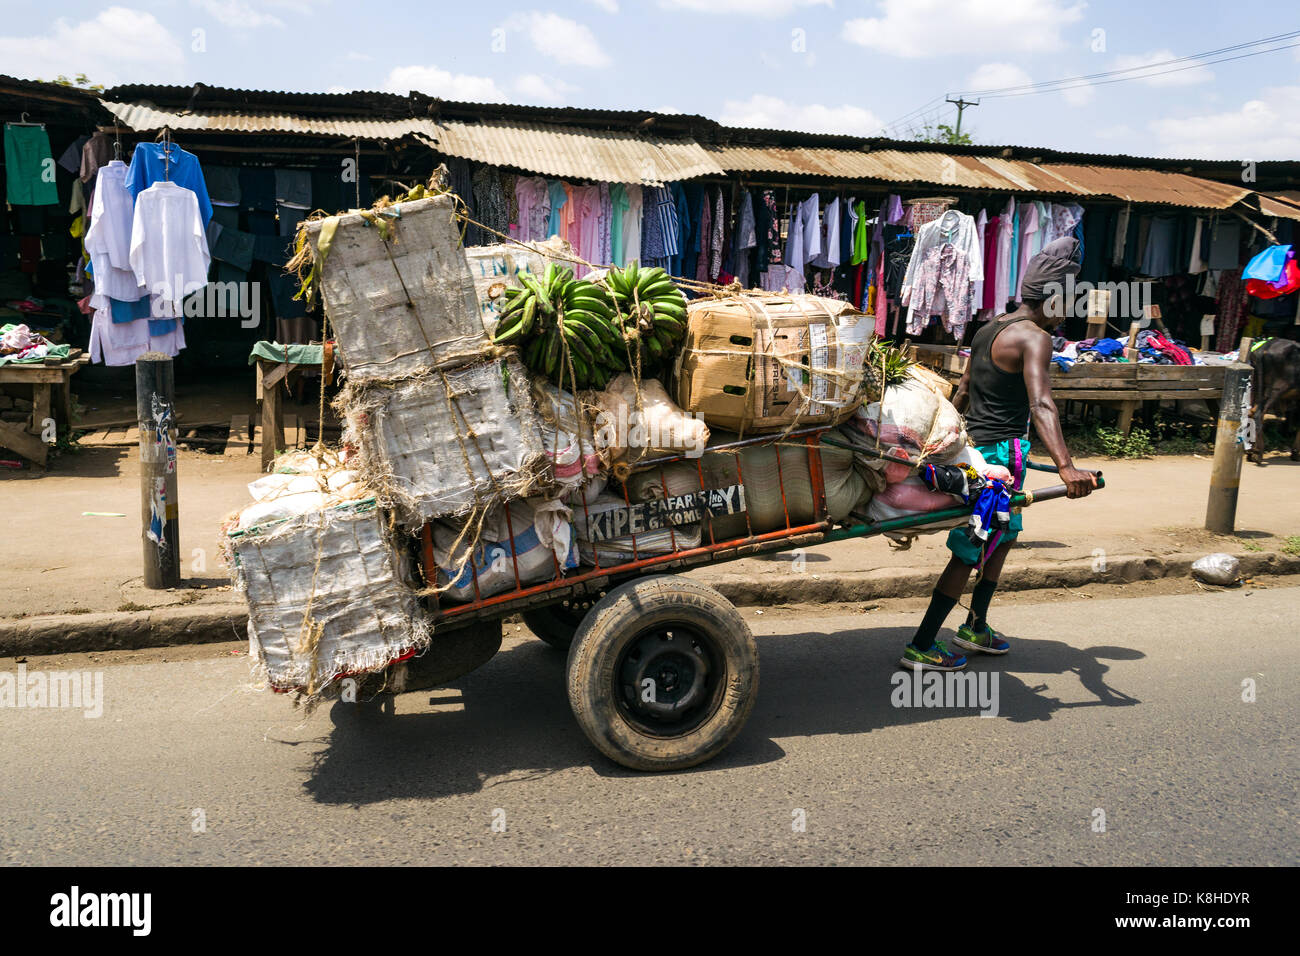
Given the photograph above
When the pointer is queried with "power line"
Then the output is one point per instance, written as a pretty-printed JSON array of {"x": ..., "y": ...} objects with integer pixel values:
[
  {"x": 1142, "y": 71},
  {"x": 1122, "y": 79}
]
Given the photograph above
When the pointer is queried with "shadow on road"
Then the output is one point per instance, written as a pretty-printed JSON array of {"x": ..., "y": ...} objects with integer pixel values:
[{"x": 515, "y": 723}]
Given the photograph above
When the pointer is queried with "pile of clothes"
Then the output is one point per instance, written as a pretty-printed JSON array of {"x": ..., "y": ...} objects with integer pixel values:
[
  {"x": 18, "y": 343},
  {"x": 1154, "y": 348}
]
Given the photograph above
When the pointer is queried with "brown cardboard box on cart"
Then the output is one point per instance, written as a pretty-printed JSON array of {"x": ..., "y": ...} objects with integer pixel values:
[{"x": 754, "y": 363}]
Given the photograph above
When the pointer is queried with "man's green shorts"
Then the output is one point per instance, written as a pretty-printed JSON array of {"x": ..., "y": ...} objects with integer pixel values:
[{"x": 1011, "y": 454}]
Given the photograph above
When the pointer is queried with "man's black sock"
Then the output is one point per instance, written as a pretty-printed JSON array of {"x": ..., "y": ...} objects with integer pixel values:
[
  {"x": 979, "y": 603},
  {"x": 940, "y": 605}
]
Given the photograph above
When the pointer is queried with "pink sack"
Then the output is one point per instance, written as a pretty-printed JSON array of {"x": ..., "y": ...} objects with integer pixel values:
[{"x": 913, "y": 496}]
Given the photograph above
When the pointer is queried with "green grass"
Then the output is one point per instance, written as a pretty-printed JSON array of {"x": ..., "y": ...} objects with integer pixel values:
[{"x": 1292, "y": 545}]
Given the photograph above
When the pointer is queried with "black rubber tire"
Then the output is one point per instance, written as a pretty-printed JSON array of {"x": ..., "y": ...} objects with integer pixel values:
[
  {"x": 557, "y": 623},
  {"x": 632, "y": 613}
]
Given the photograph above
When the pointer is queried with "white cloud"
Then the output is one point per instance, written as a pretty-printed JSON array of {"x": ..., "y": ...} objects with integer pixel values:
[
  {"x": 932, "y": 28},
  {"x": 1264, "y": 128},
  {"x": 118, "y": 45},
  {"x": 997, "y": 76},
  {"x": 753, "y": 8},
  {"x": 534, "y": 87},
  {"x": 609, "y": 6},
  {"x": 237, "y": 14},
  {"x": 770, "y": 112},
  {"x": 1184, "y": 77},
  {"x": 559, "y": 38},
  {"x": 449, "y": 86}
]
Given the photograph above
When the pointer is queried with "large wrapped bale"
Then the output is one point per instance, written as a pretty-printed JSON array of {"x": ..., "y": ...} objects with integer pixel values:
[
  {"x": 759, "y": 363},
  {"x": 441, "y": 443},
  {"x": 327, "y": 596},
  {"x": 771, "y": 490},
  {"x": 397, "y": 289}
]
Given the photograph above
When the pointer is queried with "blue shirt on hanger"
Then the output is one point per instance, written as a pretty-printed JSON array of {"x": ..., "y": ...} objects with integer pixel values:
[{"x": 182, "y": 168}]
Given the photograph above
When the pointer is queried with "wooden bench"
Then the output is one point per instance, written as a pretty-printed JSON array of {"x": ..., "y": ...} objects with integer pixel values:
[
  {"x": 51, "y": 385},
  {"x": 1125, "y": 385}
]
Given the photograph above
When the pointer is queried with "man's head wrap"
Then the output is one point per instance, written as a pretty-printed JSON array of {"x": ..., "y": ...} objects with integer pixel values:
[{"x": 1059, "y": 258}]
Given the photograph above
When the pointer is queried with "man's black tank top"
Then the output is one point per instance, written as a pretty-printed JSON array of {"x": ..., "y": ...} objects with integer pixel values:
[{"x": 999, "y": 402}]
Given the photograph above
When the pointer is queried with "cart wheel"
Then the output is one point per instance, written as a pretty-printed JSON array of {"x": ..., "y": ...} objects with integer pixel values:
[
  {"x": 557, "y": 623},
  {"x": 662, "y": 673}
]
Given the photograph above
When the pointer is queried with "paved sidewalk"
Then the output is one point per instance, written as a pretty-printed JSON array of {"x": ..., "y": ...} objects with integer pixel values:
[{"x": 86, "y": 570}]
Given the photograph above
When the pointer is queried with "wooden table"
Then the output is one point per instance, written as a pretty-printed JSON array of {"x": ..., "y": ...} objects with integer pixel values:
[
  {"x": 1123, "y": 384},
  {"x": 271, "y": 378},
  {"x": 51, "y": 384}
]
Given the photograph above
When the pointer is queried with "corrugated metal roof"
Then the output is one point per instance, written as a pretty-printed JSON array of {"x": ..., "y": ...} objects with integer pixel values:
[
  {"x": 140, "y": 117},
  {"x": 983, "y": 172},
  {"x": 615, "y": 156},
  {"x": 1148, "y": 186},
  {"x": 1284, "y": 205}
]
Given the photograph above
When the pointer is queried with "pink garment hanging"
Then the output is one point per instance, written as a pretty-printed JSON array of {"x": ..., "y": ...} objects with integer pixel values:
[{"x": 991, "y": 263}]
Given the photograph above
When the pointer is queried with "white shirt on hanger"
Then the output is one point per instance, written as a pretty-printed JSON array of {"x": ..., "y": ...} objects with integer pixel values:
[
  {"x": 108, "y": 240},
  {"x": 169, "y": 248}
]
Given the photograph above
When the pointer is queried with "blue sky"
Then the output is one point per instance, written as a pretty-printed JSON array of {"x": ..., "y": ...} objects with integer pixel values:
[{"x": 851, "y": 66}]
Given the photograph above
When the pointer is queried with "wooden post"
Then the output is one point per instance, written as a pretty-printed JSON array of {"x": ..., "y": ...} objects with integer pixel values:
[
  {"x": 1207, "y": 332},
  {"x": 1098, "y": 310},
  {"x": 1225, "y": 476},
  {"x": 155, "y": 404},
  {"x": 1131, "y": 350}
]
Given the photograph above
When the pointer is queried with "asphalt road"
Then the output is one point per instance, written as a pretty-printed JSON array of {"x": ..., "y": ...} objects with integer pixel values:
[{"x": 1128, "y": 706}]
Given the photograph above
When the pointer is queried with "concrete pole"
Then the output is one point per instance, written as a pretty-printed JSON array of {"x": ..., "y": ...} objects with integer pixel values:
[
  {"x": 1225, "y": 476},
  {"x": 159, "y": 507}
]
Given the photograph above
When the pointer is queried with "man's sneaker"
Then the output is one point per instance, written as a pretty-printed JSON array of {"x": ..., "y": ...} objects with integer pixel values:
[
  {"x": 987, "y": 641},
  {"x": 937, "y": 658}
]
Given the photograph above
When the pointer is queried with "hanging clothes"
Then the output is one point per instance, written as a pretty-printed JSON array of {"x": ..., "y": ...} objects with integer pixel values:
[
  {"x": 108, "y": 240},
  {"x": 632, "y": 223},
  {"x": 746, "y": 236},
  {"x": 1029, "y": 231},
  {"x": 700, "y": 267},
  {"x": 934, "y": 275},
  {"x": 1158, "y": 260},
  {"x": 169, "y": 248},
  {"x": 618, "y": 207},
  {"x": 29, "y": 167},
  {"x": 166, "y": 162},
  {"x": 559, "y": 196},
  {"x": 981, "y": 235},
  {"x": 1002, "y": 282},
  {"x": 829, "y": 257},
  {"x": 660, "y": 233},
  {"x": 718, "y": 236},
  {"x": 534, "y": 202}
]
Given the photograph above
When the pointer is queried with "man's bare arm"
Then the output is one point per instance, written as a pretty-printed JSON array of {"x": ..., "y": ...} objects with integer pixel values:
[
  {"x": 961, "y": 397},
  {"x": 1036, "y": 358}
]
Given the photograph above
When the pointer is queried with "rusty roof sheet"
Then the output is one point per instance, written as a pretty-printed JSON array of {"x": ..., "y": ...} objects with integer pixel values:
[
  {"x": 983, "y": 172},
  {"x": 1284, "y": 204},
  {"x": 1148, "y": 186},
  {"x": 615, "y": 156},
  {"x": 140, "y": 117}
]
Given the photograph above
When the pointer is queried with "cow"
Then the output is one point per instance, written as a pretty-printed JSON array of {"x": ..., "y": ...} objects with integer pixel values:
[{"x": 1275, "y": 383}]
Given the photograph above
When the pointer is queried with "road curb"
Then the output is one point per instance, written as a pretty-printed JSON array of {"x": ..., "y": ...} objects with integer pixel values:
[
  {"x": 839, "y": 588},
  {"x": 209, "y": 623}
]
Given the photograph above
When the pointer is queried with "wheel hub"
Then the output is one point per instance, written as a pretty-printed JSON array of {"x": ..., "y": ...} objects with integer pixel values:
[{"x": 664, "y": 674}]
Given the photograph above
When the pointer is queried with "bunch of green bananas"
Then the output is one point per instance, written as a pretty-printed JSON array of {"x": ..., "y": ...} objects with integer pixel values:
[
  {"x": 652, "y": 309},
  {"x": 567, "y": 328}
]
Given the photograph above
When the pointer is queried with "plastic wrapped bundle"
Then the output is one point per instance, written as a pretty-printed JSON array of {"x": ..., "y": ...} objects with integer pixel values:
[
  {"x": 327, "y": 597},
  {"x": 536, "y": 539},
  {"x": 439, "y": 444},
  {"x": 397, "y": 289},
  {"x": 912, "y": 424}
]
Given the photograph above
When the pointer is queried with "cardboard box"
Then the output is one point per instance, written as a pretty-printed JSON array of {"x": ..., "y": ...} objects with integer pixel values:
[{"x": 754, "y": 363}]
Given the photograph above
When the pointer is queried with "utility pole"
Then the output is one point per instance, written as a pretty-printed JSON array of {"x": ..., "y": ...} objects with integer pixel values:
[{"x": 961, "y": 105}]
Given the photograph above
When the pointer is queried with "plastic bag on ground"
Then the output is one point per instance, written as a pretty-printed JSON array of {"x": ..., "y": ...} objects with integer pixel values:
[{"x": 1220, "y": 569}]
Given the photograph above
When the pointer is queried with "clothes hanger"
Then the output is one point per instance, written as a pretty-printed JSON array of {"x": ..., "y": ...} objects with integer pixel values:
[
  {"x": 166, "y": 138},
  {"x": 23, "y": 121}
]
